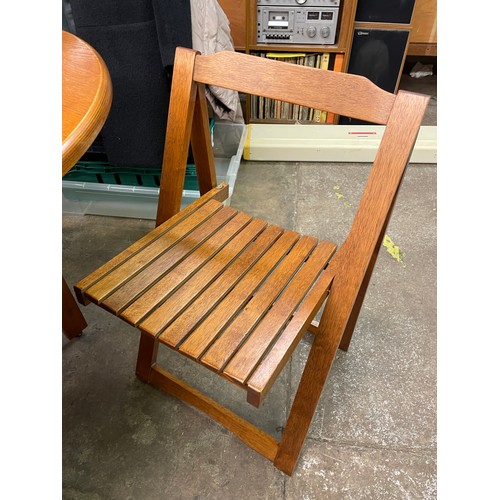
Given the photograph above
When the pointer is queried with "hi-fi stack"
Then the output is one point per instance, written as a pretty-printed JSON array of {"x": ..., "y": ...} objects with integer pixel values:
[{"x": 297, "y": 22}]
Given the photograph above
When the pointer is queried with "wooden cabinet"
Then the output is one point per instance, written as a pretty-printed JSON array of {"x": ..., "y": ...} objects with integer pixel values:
[
  {"x": 344, "y": 32},
  {"x": 423, "y": 38},
  {"x": 236, "y": 11},
  {"x": 242, "y": 16}
]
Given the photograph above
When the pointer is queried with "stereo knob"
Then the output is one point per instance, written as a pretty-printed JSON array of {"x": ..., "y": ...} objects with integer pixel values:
[
  {"x": 311, "y": 31},
  {"x": 325, "y": 32}
]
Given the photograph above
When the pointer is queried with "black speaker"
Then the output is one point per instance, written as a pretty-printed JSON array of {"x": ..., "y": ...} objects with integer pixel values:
[
  {"x": 377, "y": 54},
  {"x": 385, "y": 11}
]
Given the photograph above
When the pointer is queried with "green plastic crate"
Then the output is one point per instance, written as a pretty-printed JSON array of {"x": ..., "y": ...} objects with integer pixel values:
[
  {"x": 104, "y": 173},
  {"x": 96, "y": 188}
]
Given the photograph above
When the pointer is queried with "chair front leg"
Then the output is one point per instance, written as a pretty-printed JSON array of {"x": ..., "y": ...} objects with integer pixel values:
[{"x": 326, "y": 342}]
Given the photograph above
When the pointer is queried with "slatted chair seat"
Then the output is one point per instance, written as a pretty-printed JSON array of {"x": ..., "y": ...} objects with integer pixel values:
[
  {"x": 225, "y": 289},
  {"x": 231, "y": 291}
]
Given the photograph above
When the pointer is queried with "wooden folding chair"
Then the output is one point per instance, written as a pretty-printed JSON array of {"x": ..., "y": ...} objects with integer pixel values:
[{"x": 232, "y": 292}]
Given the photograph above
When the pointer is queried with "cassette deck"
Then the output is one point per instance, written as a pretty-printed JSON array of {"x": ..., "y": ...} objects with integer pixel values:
[{"x": 307, "y": 22}]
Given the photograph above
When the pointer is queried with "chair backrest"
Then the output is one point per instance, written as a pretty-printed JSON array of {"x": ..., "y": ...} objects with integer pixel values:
[{"x": 344, "y": 94}]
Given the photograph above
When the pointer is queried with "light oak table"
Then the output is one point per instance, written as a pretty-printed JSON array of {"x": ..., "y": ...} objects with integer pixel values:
[{"x": 86, "y": 100}]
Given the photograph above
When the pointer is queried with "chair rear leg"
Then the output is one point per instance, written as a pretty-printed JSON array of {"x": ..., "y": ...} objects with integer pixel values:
[
  {"x": 73, "y": 322},
  {"x": 146, "y": 357},
  {"x": 353, "y": 318}
]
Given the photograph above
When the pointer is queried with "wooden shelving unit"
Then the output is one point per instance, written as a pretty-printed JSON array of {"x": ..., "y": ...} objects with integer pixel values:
[
  {"x": 336, "y": 54},
  {"x": 264, "y": 110},
  {"x": 344, "y": 32},
  {"x": 236, "y": 11},
  {"x": 242, "y": 15},
  {"x": 423, "y": 38}
]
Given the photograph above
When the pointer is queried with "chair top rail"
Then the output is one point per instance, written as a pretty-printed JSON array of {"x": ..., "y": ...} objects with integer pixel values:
[{"x": 344, "y": 94}]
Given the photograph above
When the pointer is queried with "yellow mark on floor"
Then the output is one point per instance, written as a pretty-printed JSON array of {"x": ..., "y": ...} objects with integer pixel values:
[
  {"x": 395, "y": 252},
  {"x": 339, "y": 196}
]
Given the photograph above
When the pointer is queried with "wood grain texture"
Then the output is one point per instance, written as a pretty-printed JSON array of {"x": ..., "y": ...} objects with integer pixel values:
[
  {"x": 249, "y": 314},
  {"x": 73, "y": 322},
  {"x": 202, "y": 306},
  {"x": 229, "y": 292},
  {"x": 424, "y": 22},
  {"x": 146, "y": 356},
  {"x": 237, "y": 296},
  {"x": 262, "y": 337},
  {"x": 201, "y": 143},
  {"x": 220, "y": 193},
  {"x": 383, "y": 182},
  {"x": 313, "y": 327},
  {"x": 86, "y": 98},
  {"x": 86, "y": 101},
  {"x": 213, "y": 255},
  {"x": 235, "y": 11},
  {"x": 122, "y": 274},
  {"x": 248, "y": 433},
  {"x": 268, "y": 370},
  {"x": 356, "y": 308},
  {"x": 200, "y": 285},
  {"x": 350, "y": 264},
  {"x": 178, "y": 135},
  {"x": 269, "y": 78}
]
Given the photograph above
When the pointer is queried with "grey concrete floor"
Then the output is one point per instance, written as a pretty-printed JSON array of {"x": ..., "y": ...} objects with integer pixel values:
[{"x": 374, "y": 432}]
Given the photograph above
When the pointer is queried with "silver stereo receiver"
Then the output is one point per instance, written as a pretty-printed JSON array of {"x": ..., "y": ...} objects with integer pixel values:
[{"x": 297, "y": 21}]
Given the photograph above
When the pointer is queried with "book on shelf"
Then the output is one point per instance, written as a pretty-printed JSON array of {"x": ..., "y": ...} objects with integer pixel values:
[
  {"x": 323, "y": 60},
  {"x": 265, "y": 108},
  {"x": 287, "y": 111}
]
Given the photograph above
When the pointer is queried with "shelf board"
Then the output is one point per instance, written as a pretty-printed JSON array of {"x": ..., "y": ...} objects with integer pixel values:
[
  {"x": 296, "y": 48},
  {"x": 382, "y": 26},
  {"x": 422, "y": 49}
]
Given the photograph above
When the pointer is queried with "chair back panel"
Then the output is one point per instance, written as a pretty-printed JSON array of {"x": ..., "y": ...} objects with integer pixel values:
[
  {"x": 340, "y": 93},
  {"x": 349, "y": 95}
]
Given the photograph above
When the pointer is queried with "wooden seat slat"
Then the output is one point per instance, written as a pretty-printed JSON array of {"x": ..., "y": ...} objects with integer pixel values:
[
  {"x": 194, "y": 249},
  {"x": 216, "y": 253},
  {"x": 270, "y": 367},
  {"x": 132, "y": 266},
  {"x": 202, "y": 306},
  {"x": 219, "y": 193},
  {"x": 251, "y": 352},
  {"x": 247, "y": 283},
  {"x": 251, "y": 313}
]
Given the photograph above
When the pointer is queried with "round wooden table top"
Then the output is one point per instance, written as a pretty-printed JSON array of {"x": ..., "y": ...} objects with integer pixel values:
[{"x": 86, "y": 98}]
